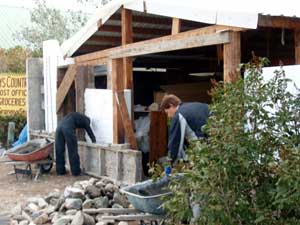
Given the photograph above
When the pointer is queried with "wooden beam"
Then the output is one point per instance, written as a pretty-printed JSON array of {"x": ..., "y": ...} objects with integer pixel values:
[
  {"x": 165, "y": 44},
  {"x": 232, "y": 57},
  {"x": 117, "y": 84},
  {"x": 176, "y": 26},
  {"x": 65, "y": 86},
  {"x": 214, "y": 30},
  {"x": 297, "y": 46},
  {"x": 129, "y": 132},
  {"x": 278, "y": 22}
]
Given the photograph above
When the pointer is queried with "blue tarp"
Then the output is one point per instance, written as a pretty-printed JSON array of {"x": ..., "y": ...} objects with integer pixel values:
[{"x": 22, "y": 137}]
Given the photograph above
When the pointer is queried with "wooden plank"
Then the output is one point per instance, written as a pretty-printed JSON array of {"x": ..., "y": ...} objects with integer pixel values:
[
  {"x": 158, "y": 135},
  {"x": 170, "y": 43},
  {"x": 297, "y": 46},
  {"x": 117, "y": 84},
  {"x": 210, "y": 30},
  {"x": 176, "y": 25},
  {"x": 65, "y": 86},
  {"x": 110, "y": 210},
  {"x": 129, "y": 132},
  {"x": 232, "y": 57},
  {"x": 279, "y": 22},
  {"x": 133, "y": 217}
]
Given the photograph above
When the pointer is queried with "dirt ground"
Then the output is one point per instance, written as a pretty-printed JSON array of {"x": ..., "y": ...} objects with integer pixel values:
[{"x": 13, "y": 191}]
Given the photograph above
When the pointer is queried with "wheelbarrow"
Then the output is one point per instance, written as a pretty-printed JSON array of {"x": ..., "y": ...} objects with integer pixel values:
[
  {"x": 38, "y": 151},
  {"x": 147, "y": 196}
]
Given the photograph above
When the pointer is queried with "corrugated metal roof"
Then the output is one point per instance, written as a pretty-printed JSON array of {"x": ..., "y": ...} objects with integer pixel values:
[{"x": 12, "y": 19}]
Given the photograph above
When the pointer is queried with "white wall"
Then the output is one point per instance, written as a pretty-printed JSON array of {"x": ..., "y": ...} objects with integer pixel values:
[{"x": 99, "y": 108}]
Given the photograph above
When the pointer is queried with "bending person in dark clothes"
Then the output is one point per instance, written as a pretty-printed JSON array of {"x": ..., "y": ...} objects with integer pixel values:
[
  {"x": 66, "y": 133},
  {"x": 186, "y": 124}
]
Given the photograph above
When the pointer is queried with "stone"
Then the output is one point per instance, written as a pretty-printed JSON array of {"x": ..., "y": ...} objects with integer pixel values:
[
  {"x": 109, "y": 194},
  {"x": 71, "y": 192},
  {"x": 52, "y": 195},
  {"x": 100, "y": 184},
  {"x": 24, "y": 222},
  {"x": 36, "y": 214},
  {"x": 59, "y": 203},
  {"x": 93, "y": 191},
  {"x": 17, "y": 210},
  {"x": 92, "y": 181},
  {"x": 120, "y": 199},
  {"x": 101, "y": 223},
  {"x": 41, "y": 219},
  {"x": 50, "y": 209},
  {"x": 78, "y": 219},
  {"x": 62, "y": 221},
  {"x": 32, "y": 207},
  {"x": 87, "y": 204},
  {"x": 62, "y": 207},
  {"x": 73, "y": 203},
  {"x": 110, "y": 187},
  {"x": 122, "y": 223},
  {"x": 88, "y": 220},
  {"x": 71, "y": 212},
  {"x": 101, "y": 202},
  {"x": 14, "y": 222},
  {"x": 38, "y": 201},
  {"x": 117, "y": 206},
  {"x": 42, "y": 203},
  {"x": 53, "y": 216}
]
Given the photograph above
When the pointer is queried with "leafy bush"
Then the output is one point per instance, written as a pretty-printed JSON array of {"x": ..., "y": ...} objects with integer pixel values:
[
  {"x": 20, "y": 121},
  {"x": 248, "y": 170}
]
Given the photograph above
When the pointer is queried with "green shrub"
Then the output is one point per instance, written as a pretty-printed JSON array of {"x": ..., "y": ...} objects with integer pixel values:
[
  {"x": 20, "y": 121},
  {"x": 248, "y": 170}
]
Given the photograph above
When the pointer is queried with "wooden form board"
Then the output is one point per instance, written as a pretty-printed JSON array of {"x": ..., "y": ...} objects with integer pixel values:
[
  {"x": 129, "y": 132},
  {"x": 158, "y": 135},
  {"x": 65, "y": 86}
]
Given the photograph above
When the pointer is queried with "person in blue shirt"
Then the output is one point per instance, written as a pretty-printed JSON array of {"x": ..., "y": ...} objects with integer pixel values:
[{"x": 186, "y": 124}]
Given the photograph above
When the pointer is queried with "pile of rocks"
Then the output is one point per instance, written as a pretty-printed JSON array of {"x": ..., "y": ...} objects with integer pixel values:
[{"x": 70, "y": 207}]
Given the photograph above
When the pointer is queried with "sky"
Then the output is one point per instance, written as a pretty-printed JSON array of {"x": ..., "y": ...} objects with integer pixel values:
[
  {"x": 274, "y": 7},
  {"x": 60, "y": 4}
]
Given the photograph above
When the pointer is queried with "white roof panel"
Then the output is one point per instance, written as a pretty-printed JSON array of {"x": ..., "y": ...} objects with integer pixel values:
[{"x": 229, "y": 12}]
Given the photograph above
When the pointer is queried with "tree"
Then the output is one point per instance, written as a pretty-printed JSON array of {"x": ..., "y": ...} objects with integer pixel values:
[
  {"x": 49, "y": 23},
  {"x": 247, "y": 171},
  {"x": 13, "y": 60}
]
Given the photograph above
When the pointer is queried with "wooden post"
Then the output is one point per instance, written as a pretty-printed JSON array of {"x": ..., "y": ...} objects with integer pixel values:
[
  {"x": 127, "y": 38},
  {"x": 176, "y": 25},
  {"x": 297, "y": 45},
  {"x": 232, "y": 57},
  {"x": 117, "y": 84}
]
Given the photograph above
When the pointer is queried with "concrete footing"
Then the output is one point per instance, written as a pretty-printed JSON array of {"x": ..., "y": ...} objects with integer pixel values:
[{"x": 117, "y": 162}]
